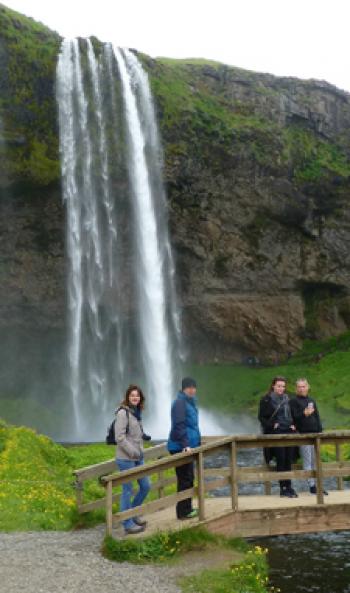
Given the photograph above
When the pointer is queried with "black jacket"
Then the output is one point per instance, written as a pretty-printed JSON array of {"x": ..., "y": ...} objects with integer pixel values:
[
  {"x": 269, "y": 415},
  {"x": 304, "y": 423}
]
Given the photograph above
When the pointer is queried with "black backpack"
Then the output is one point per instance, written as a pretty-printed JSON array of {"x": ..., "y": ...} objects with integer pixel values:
[{"x": 110, "y": 438}]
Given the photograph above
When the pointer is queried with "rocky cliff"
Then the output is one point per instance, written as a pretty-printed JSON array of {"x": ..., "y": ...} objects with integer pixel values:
[{"x": 257, "y": 170}]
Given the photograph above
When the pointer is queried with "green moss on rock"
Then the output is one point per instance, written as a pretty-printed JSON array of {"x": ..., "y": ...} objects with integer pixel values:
[{"x": 28, "y": 55}]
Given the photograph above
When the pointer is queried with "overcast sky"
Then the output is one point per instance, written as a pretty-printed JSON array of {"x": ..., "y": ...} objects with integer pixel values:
[{"x": 304, "y": 38}]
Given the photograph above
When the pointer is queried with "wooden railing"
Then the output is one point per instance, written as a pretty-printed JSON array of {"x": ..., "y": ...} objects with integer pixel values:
[
  {"x": 225, "y": 476},
  {"x": 99, "y": 470}
]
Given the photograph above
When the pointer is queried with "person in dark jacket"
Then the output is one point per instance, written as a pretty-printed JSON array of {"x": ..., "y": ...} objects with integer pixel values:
[
  {"x": 276, "y": 418},
  {"x": 184, "y": 436},
  {"x": 306, "y": 419}
]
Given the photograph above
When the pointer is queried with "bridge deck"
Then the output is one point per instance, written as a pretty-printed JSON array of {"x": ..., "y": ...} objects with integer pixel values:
[{"x": 259, "y": 515}]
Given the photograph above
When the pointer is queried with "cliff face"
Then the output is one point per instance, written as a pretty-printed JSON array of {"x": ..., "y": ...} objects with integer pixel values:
[
  {"x": 258, "y": 172},
  {"x": 258, "y": 178}
]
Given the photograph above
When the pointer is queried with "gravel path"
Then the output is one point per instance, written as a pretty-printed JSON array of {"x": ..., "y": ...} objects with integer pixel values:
[{"x": 71, "y": 562}]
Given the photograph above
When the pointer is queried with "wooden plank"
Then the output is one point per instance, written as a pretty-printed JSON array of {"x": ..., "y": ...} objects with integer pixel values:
[
  {"x": 259, "y": 468},
  {"x": 95, "y": 471},
  {"x": 217, "y": 471},
  {"x": 146, "y": 470},
  {"x": 79, "y": 490},
  {"x": 319, "y": 471},
  {"x": 340, "y": 482},
  {"x": 109, "y": 509},
  {"x": 155, "y": 505},
  {"x": 332, "y": 473},
  {"x": 217, "y": 483},
  {"x": 155, "y": 452},
  {"x": 100, "y": 503},
  {"x": 233, "y": 476},
  {"x": 267, "y": 522},
  {"x": 160, "y": 485},
  {"x": 101, "y": 469},
  {"x": 243, "y": 441},
  {"x": 336, "y": 465},
  {"x": 272, "y": 476},
  {"x": 201, "y": 486}
]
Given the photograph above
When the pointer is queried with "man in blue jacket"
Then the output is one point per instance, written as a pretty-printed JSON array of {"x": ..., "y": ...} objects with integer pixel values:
[{"x": 184, "y": 436}]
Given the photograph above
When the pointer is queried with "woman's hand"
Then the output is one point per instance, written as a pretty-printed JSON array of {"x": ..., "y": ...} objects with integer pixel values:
[
  {"x": 276, "y": 425},
  {"x": 292, "y": 427}
]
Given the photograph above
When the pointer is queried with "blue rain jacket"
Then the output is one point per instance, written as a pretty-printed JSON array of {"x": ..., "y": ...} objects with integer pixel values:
[{"x": 184, "y": 424}]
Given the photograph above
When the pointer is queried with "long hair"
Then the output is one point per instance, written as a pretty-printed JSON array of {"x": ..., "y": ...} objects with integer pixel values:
[
  {"x": 126, "y": 400},
  {"x": 274, "y": 381}
]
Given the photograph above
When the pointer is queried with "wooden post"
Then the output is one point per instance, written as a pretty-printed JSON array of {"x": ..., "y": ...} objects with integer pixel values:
[
  {"x": 79, "y": 492},
  {"x": 319, "y": 472},
  {"x": 340, "y": 481},
  {"x": 109, "y": 509},
  {"x": 234, "y": 483},
  {"x": 161, "y": 488},
  {"x": 200, "y": 482},
  {"x": 267, "y": 486}
]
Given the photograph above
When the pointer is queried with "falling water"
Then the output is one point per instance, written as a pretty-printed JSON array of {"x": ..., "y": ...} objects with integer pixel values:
[
  {"x": 68, "y": 151},
  {"x": 117, "y": 238},
  {"x": 150, "y": 275},
  {"x": 154, "y": 160}
]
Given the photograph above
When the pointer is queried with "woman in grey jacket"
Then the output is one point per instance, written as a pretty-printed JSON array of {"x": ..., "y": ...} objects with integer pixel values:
[{"x": 129, "y": 439}]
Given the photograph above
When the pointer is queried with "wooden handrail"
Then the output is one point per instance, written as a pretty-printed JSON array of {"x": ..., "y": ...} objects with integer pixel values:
[{"x": 231, "y": 475}]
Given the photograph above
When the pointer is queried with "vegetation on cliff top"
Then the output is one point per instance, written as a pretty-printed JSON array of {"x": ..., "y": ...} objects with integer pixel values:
[
  {"x": 185, "y": 93},
  {"x": 198, "y": 116},
  {"x": 27, "y": 98}
]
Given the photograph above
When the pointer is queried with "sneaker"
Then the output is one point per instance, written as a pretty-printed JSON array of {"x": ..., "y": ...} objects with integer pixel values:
[
  {"x": 313, "y": 490},
  {"x": 288, "y": 493},
  {"x": 134, "y": 529},
  {"x": 140, "y": 521},
  {"x": 191, "y": 515}
]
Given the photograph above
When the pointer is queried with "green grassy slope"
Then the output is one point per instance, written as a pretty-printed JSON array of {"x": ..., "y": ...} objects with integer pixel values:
[{"x": 234, "y": 388}]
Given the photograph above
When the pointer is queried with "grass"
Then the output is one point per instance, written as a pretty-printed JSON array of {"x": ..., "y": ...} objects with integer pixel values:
[
  {"x": 36, "y": 477},
  {"x": 162, "y": 546},
  {"x": 237, "y": 388},
  {"x": 37, "y": 490},
  {"x": 36, "y": 482},
  {"x": 250, "y": 576}
]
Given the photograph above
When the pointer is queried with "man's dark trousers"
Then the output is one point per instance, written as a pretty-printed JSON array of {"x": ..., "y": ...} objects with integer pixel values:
[{"x": 185, "y": 479}]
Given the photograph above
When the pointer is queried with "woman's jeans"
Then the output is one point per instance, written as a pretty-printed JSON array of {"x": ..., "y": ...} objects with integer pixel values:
[{"x": 125, "y": 500}]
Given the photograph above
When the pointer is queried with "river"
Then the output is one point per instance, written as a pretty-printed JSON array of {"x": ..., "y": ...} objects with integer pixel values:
[{"x": 316, "y": 563}]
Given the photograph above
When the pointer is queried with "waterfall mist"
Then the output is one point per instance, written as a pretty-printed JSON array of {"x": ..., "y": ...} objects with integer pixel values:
[{"x": 124, "y": 323}]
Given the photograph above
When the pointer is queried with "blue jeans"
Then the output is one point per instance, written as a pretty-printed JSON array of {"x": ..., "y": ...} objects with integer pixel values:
[{"x": 125, "y": 500}]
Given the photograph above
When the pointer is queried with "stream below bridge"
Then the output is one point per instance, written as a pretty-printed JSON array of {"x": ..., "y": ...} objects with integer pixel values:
[{"x": 313, "y": 563}]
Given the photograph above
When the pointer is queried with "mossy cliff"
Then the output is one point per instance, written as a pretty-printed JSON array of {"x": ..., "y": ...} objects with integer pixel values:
[{"x": 258, "y": 179}]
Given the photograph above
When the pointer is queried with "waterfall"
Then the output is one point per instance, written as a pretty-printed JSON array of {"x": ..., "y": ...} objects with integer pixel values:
[
  {"x": 123, "y": 323},
  {"x": 150, "y": 273},
  {"x": 68, "y": 155}
]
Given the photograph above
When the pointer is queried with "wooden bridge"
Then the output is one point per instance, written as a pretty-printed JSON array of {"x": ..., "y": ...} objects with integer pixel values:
[{"x": 235, "y": 515}]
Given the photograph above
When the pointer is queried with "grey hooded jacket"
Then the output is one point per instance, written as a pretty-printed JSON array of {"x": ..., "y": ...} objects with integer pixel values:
[{"x": 129, "y": 443}]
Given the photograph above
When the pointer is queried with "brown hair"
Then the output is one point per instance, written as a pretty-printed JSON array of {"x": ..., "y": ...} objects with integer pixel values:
[
  {"x": 274, "y": 381},
  {"x": 126, "y": 400}
]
